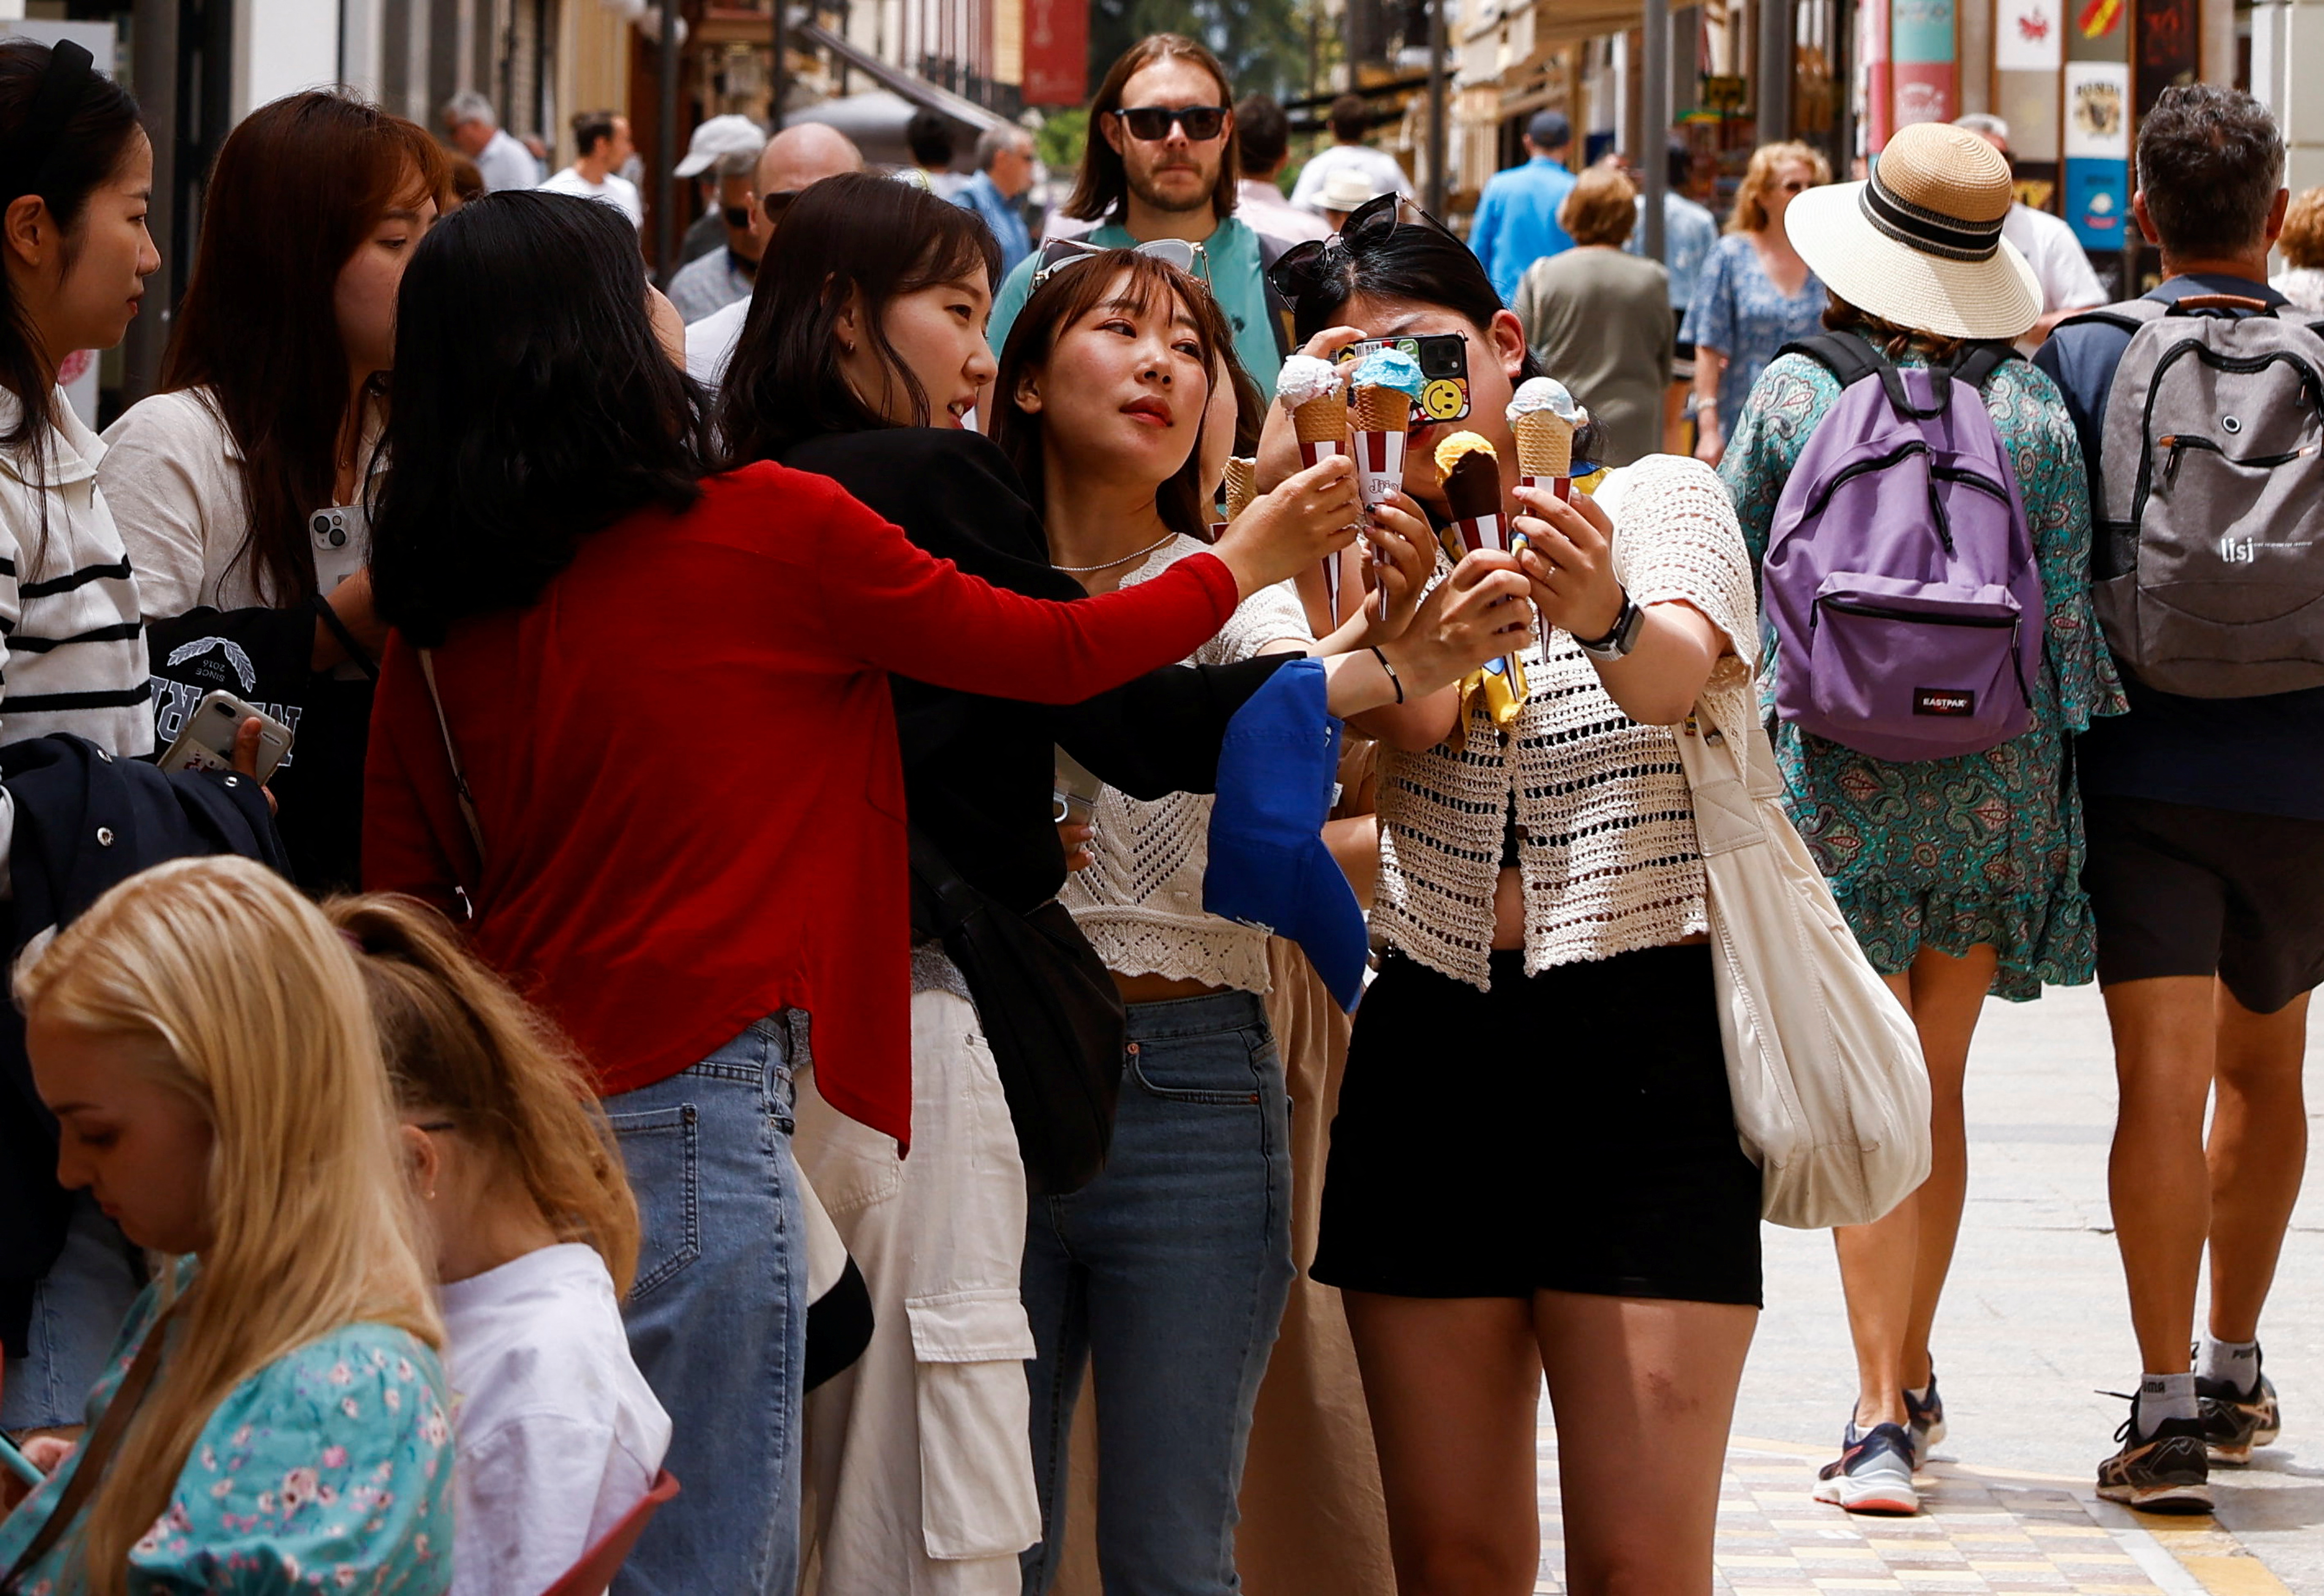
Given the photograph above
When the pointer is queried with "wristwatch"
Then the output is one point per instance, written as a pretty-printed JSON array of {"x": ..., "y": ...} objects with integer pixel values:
[{"x": 1624, "y": 637}]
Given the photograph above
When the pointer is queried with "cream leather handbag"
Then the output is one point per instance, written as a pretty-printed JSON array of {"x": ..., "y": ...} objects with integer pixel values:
[{"x": 1832, "y": 1097}]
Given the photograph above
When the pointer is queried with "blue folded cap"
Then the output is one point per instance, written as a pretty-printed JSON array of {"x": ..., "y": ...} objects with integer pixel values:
[{"x": 1268, "y": 866}]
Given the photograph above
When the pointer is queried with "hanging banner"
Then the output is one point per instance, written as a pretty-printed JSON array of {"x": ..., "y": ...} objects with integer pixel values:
[
  {"x": 2169, "y": 49},
  {"x": 1057, "y": 52},
  {"x": 1922, "y": 31},
  {"x": 2028, "y": 36},
  {"x": 2097, "y": 110},
  {"x": 1926, "y": 91},
  {"x": 1879, "y": 86},
  {"x": 2098, "y": 201}
]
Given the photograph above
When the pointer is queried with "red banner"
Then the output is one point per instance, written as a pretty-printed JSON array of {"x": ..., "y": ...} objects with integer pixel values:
[{"x": 1057, "y": 52}]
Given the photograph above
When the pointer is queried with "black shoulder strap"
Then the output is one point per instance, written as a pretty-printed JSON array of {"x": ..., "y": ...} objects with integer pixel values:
[
  {"x": 1980, "y": 360},
  {"x": 1851, "y": 357},
  {"x": 941, "y": 900}
]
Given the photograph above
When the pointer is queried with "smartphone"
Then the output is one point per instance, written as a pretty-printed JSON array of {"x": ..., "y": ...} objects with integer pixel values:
[
  {"x": 1444, "y": 362},
  {"x": 339, "y": 537},
  {"x": 1074, "y": 793},
  {"x": 207, "y": 742}
]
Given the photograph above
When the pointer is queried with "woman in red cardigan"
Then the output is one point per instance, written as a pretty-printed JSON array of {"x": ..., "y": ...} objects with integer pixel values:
[{"x": 668, "y": 697}]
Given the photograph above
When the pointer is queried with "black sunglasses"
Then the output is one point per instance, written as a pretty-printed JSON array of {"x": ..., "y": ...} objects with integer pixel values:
[
  {"x": 1300, "y": 269},
  {"x": 777, "y": 202},
  {"x": 1151, "y": 123},
  {"x": 738, "y": 216}
]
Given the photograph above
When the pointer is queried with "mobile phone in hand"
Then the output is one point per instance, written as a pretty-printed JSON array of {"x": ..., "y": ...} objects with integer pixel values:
[{"x": 207, "y": 742}]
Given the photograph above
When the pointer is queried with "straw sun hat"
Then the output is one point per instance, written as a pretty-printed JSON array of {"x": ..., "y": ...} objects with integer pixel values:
[{"x": 1920, "y": 243}]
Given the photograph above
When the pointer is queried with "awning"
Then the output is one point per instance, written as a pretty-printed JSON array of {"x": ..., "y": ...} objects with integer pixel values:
[{"x": 916, "y": 89}]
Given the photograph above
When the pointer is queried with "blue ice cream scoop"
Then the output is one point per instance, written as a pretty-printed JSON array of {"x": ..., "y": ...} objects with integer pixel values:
[{"x": 1388, "y": 368}]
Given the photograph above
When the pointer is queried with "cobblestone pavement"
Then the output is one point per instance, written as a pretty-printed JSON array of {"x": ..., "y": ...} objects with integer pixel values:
[{"x": 2034, "y": 1325}]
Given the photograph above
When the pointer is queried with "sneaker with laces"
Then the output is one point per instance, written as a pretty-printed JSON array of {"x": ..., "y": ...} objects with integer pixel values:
[
  {"x": 1927, "y": 1418},
  {"x": 1874, "y": 1471},
  {"x": 2235, "y": 1422},
  {"x": 2165, "y": 1470}
]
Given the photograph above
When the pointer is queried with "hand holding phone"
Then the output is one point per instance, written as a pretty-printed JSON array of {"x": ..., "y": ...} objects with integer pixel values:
[{"x": 207, "y": 742}]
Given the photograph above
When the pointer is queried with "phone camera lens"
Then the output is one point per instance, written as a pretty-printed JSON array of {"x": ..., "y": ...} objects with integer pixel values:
[
  {"x": 337, "y": 538},
  {"x": 322, "y": 525}
]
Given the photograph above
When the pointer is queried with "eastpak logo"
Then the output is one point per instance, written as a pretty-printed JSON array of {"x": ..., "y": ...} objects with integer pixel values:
[{"x": 1944, "y": 701}]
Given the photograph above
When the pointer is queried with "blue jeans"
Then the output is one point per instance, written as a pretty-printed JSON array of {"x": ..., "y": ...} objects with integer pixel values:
[
  {"x": 717, "y": 1319},
  {"x": 76, "y": 1313},
  {"x": 1166, "y": 1276}
]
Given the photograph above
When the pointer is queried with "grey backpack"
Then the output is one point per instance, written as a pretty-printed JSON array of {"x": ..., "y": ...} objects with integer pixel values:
[{"x": 2209, "y": 552}]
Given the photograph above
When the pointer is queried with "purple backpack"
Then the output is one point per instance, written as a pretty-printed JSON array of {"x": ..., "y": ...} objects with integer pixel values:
[{"x": 1900, "y": 576}]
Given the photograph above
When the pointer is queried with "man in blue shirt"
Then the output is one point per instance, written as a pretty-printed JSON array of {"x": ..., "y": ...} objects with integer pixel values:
[
  {"x": 1004, "y": 170},
  {"x": 1160, "y": 163},
  {"x": 2205, "y": 869},
  {"x": 1517, "y": 218}
]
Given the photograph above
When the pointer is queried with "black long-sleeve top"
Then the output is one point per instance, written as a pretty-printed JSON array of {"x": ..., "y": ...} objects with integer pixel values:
[{"x": 979, "y": 771}]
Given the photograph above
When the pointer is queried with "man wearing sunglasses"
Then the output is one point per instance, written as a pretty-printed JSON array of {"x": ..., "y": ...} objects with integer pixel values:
[
  {"x": 792, "y": 160},
  {"x": 1517, "y": 218},
  {"x": 1160, "y": 164},
  {"x": 728, "y": 272}
]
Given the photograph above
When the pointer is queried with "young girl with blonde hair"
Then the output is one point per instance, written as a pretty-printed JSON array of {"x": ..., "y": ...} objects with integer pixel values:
[
  {"x": 273, "y": 1409},
  {"x": 536, "y": 1241}
]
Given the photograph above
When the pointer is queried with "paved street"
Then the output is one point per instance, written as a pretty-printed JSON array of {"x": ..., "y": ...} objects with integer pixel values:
[{"x": 2034, "y": 1324}]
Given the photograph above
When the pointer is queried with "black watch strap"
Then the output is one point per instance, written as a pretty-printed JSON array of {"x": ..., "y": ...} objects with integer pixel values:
[{"x": 1618, "y": 641}]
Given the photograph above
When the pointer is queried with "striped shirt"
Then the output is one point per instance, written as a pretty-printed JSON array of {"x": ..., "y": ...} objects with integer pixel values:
[{"x": 73, "y": 654}]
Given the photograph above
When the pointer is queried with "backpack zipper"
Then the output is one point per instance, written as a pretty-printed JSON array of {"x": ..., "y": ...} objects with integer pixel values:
[
  {"x": 1902, "y": 452},
  {"x": 1878, "y": 612}
]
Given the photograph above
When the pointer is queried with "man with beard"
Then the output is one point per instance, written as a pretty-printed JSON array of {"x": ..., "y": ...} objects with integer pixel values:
[{"x": 1160, "y": 164}]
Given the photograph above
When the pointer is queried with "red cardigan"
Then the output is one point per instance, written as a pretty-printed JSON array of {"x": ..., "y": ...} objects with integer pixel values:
[{"x": 684, "y": 761}]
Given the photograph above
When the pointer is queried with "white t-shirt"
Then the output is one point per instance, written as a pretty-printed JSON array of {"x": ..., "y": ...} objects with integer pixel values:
[
  {"x": 1383, "y": 168},
  {"x": 2057, "y": 257},
  {"x": 555, "y": 1434},
  {"x": 616, "y": 191},
  {"x": 710, "y": 342}
]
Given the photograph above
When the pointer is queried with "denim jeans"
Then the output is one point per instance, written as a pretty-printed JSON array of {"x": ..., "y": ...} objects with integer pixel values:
[
  {"x": 76, "y": 1313},
  {"x": 1167, "y": 1276},
  {"x": 717, "y": 1319}
]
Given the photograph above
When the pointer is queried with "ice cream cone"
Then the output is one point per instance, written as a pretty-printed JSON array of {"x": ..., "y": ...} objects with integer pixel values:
[
  {"x": 1321, "y": 420},
  {"x": 1545, "y": 444},
  {"x": 1382, "y": 409},
  {"x": 1242, "y": 484}
]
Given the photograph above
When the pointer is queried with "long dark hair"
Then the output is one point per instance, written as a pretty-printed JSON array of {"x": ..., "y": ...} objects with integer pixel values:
[
  {"x": 79, "y": 155},
  {"x": 298, "y": 186},
  {"x": 1419, "y": 262},
  {"x": 870, "y": 235},
  {"x": 1055, "y": 306},
  {"x": 534, "y": 407},
  {"x": 1103, "y": 182}
]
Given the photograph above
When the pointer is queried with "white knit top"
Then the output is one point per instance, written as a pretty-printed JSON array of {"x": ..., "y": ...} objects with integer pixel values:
[
  {"x": 1607, "y": 849},
  {"x": 1140, "y": 900}
]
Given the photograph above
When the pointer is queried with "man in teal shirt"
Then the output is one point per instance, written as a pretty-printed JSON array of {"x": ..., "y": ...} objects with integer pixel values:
[
  {"x": 1160, "y": 163},
  {"x": 1517, "y": 217}
]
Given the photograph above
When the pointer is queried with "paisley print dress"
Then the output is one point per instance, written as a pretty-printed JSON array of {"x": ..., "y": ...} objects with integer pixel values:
[{"x": 1987, "y": 847}]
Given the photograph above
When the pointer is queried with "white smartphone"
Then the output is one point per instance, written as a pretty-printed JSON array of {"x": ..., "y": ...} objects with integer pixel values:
[
  {"x": 339, "y": 538},
  {"x": 207, "y": 742}
]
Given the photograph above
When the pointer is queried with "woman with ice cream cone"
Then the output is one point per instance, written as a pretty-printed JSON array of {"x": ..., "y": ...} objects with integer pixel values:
[
  {"x": 1534, "y": 1171},
  {"x": 1167, "y": 1274}
]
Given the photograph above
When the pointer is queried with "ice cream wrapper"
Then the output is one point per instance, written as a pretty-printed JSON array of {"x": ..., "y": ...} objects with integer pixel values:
[
  {"x": 1499, "y": 685},
  {"x": 1315, "y": 451}
]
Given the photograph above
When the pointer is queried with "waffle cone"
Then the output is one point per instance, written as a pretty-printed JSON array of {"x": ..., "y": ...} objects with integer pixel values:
[
  {"x": 1382, "y": 409},
  {"x": 1545, "y": 445},
  {"x": 1242, "y": 481},
  {"x": 1321, "y": 420}
]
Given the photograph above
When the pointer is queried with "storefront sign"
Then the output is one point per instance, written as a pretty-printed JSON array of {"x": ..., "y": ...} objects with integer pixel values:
[
  {"x": 1057, "y": 52},
  {"x": 2028, "y": 35}
]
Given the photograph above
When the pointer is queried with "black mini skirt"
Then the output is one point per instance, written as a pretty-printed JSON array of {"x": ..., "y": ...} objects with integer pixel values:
[{"x": 1568, "y": 1132}]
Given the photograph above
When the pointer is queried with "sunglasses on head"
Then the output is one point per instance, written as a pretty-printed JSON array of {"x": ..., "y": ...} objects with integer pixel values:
[
  {"x": 1058, "y": 254},
  {"x": 1151, "y": 123},
  {"x": 1299, "y": 269}
]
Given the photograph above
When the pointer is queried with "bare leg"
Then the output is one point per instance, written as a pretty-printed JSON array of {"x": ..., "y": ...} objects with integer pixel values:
[
  {"x": 2165, "y": 1042},
  {"x": 1877, "y": 1263},
  {"x": 1454, "y": 1389},
  {"x": 2259, "y": 1149},
  {"x": 1643, "y": 1393},
  {"x": 1948, "y": 997}
]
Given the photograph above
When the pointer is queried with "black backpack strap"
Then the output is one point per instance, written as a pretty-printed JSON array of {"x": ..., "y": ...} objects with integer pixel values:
[
  {"x": 1980, "y": 360},
  {"x": 1853, "y": 358}
]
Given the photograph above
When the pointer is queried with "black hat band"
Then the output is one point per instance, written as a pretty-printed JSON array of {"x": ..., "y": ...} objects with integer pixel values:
[{"x": 1931, "y": 232}]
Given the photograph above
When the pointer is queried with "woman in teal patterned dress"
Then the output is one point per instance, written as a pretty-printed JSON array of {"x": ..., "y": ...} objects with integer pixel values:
[
  {"x": 273, "y": 1417},
  {"x": 1958, "y": 876}
]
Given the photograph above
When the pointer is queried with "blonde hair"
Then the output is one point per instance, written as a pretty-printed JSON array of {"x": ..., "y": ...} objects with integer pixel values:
[
  {"x": 459, "y": 1042},
  {"x": 1759, "y": 178},
  {"x": 2303, "y": 240},
  {"x": 253, "y": 1007},
  {"x": 1601, "y": 207}
]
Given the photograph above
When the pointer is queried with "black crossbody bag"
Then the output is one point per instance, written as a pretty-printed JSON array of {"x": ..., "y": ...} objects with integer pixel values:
[{"x": 1049, "y": 1010}]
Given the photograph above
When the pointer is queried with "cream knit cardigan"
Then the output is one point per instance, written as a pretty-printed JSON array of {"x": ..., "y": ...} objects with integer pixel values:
[{"x": 1608, "y": 849}]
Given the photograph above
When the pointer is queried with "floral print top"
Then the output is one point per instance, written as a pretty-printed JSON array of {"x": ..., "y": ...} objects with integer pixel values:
[
  {"x": 1987, "y": 847},
  {"x": 1738, "y": 310},
  {"x": 328, "y": 1469}
]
